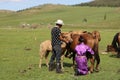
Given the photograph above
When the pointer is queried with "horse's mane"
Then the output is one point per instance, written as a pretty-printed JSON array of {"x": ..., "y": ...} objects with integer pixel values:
[{"x": 115, "y": 39}]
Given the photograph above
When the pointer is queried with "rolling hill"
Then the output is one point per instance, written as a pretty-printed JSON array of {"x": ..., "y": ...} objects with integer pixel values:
[
  {"x": 108, "y": 3},
  {"x": 73, "y": 16}
]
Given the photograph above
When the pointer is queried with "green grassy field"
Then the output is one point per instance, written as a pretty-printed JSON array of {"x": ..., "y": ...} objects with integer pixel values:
[
  {"x": 17, "y": 63},
  {"x": 72, "y": 16}
]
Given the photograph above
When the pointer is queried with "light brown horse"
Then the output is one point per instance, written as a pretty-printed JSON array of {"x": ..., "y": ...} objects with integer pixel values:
[
  {"x": 97, "y": 39},
  {"x": 46, "y": 48},
  {"x": 92, "y": 40}
]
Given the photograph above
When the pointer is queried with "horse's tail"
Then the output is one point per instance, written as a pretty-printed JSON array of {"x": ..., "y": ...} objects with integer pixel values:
[{"x": 114, "y": 44}]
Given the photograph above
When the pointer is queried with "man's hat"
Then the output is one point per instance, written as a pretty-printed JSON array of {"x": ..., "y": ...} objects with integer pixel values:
[{"x": 59, "y": 22}]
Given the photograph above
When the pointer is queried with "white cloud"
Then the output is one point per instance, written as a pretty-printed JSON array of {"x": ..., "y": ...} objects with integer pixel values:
[{"x": 10, "y": 0}]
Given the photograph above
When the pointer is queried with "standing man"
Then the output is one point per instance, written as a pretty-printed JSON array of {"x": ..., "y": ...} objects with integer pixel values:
[{"x": 56, "y": 41}]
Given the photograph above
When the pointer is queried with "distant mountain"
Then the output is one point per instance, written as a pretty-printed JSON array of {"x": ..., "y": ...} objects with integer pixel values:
[
  {"x": 40, "y": 8},
  {"x": 106, "y": 3},
  {"x": 6, "y": 11}
]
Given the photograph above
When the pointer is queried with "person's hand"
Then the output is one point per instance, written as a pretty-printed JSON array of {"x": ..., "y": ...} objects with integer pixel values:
[
  {"x": 71, "y": 40},
  {"x": 66, "y": 41}
]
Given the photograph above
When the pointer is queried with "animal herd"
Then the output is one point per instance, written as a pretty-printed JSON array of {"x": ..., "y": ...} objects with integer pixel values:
[{"x": 92, "y": 39}]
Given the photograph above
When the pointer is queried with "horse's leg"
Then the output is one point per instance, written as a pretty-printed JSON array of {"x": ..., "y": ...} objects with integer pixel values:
[
  {"x": 73, "y": 59},
  {"x": 69, "y": 54},
  {"x": 62, "y": 57},
  {"x": 46, "y": 58},
  {"x": 41, "y": 57},
  {"x": 92, "y": 61},
  {"x": 97, "y": 58},
  {"x": 118, "y": 52},
  {"x": 66, "y": 55},
  {"x": 40, "y": 63}
]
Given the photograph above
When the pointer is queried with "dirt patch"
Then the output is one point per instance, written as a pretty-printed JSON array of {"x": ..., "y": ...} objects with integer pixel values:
[
  {"x": 30, "y": 67},
  {"x": 118, "y": 71}
]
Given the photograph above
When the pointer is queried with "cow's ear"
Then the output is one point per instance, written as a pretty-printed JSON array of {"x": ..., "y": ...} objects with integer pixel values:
[
  {"x": 84, "y": 31},
  {"x": 71, "y": 35},
  {"x": 70, "y": 31}
]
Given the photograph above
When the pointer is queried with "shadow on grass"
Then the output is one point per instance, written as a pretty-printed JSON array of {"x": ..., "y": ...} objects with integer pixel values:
[
  {"x": 113, "y": 55},
  {"x": 64, "y": 65},
  {"x": 67, "y": 64},
  {"x": 118, "y": 71},
  {"x": 44, "y": 65}
]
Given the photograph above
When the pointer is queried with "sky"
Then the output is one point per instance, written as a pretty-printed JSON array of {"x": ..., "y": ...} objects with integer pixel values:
[{"x": 16, "y": 5}]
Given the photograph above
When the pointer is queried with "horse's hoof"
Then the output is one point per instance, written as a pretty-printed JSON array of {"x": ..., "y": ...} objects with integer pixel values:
[
  {"x": 66, "y": 56},
  {"x": 96, "y": 70},
  {"x": 118, "y": 56},
  {"x": 72, "y": 67},
  {"x": 47, "y": 66},
  {"x": 39, "y": 66},
  {"x": 89, "y": 72}
]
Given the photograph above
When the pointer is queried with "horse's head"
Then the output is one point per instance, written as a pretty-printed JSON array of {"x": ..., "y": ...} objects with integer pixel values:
[
  {"x": 67, "y": 36},
  {"x": 96, "y": 35}
]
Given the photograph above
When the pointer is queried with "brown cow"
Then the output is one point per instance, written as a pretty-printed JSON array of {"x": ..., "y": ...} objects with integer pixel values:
[
  {"x": 115, "y": 46},
  {"x": 92, "y": 40}
]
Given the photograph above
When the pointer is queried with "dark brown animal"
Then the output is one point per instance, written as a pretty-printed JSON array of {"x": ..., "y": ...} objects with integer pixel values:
[
  {"x": 110, "y": 48},
  {"x": 115, "y": 46},
  {"x": 92, "y": 40}
]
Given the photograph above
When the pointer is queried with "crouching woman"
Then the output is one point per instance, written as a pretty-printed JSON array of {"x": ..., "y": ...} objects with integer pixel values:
[{"x": 81, "y": 60}]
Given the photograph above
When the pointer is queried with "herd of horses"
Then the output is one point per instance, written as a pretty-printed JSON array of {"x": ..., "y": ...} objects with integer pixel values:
[{"x": 92, "y": 39}]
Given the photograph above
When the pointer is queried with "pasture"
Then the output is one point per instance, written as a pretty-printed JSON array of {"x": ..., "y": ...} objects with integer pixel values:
[
  {"x": 19, "y": 56},
  {"x": 19, "y": 47}
]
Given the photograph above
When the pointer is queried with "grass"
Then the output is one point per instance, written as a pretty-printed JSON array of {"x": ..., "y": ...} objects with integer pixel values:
[
  {"x": 73, "y": 17},
  {"x": 17, "y": 63}
]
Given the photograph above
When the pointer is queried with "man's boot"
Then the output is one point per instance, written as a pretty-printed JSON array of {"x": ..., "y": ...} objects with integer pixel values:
[
  {"x": 58, "y": 68},
  {"x": 76, "y": 73},
  {"x": 51, "y": 66}
]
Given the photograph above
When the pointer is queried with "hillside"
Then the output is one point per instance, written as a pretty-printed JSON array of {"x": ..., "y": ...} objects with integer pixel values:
[
  {"x": 42, "y": 8},
  {"x": 6, "y": 12},
  {"x": 108, "y": 3},
  {"x": 73, "y": 16}
]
